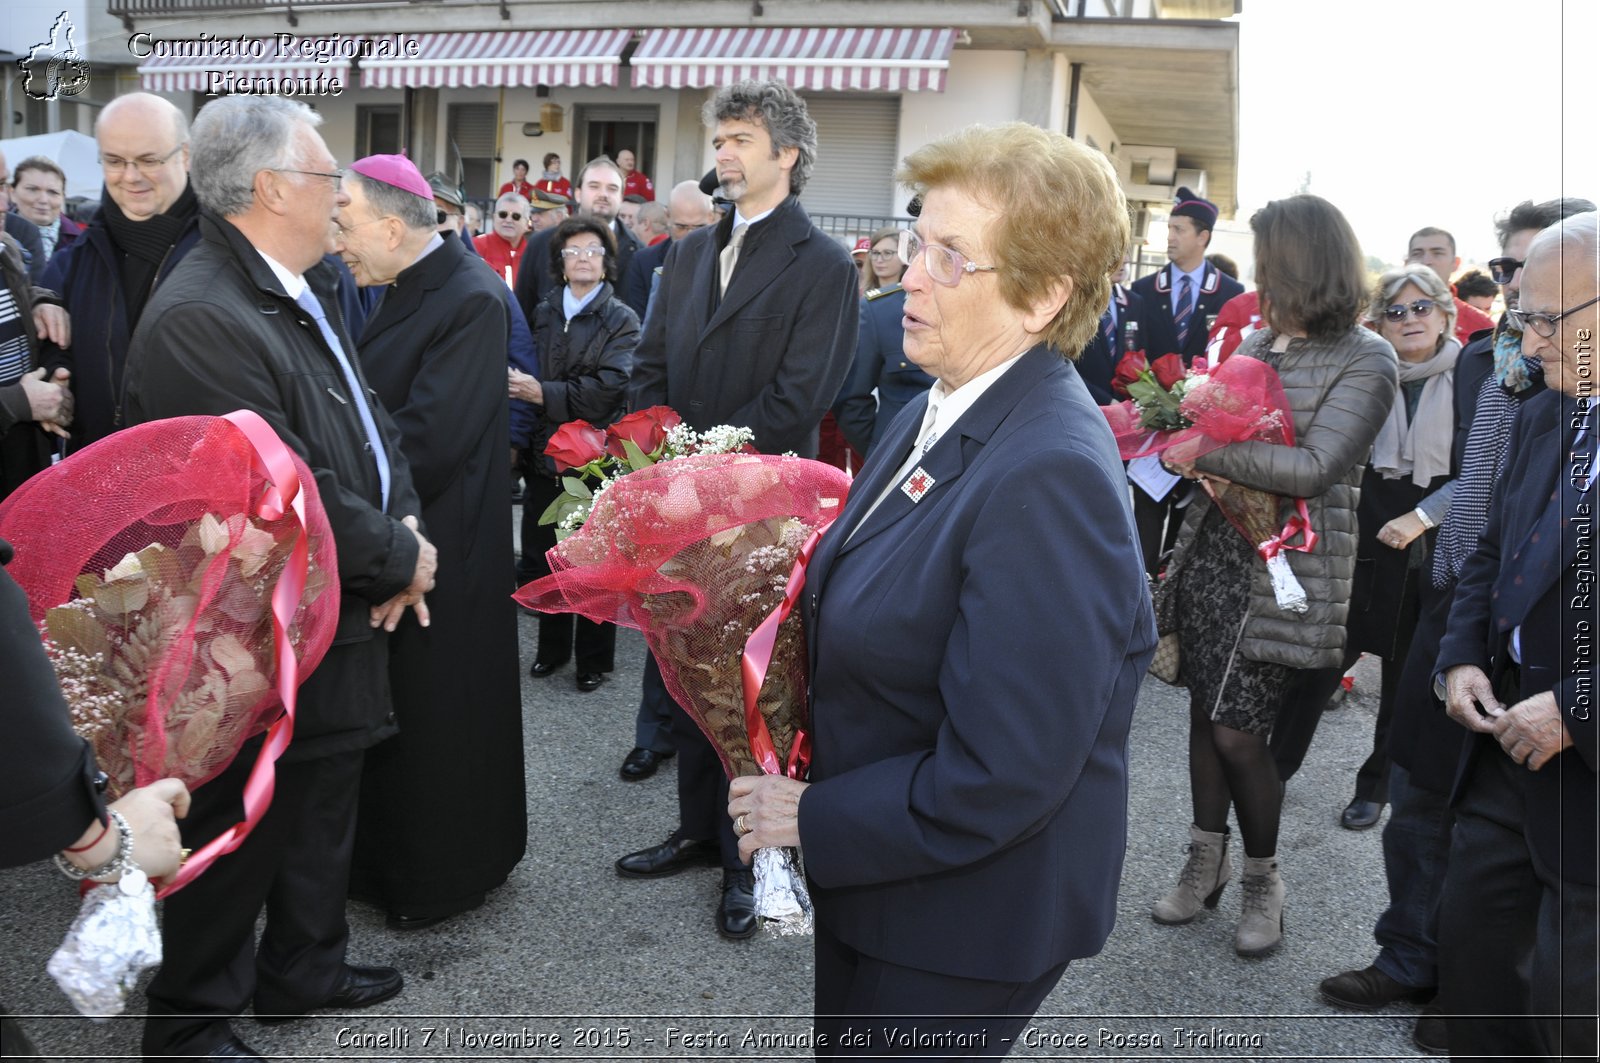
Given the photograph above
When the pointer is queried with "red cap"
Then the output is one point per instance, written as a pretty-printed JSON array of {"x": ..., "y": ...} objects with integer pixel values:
[
  {"x": 396, "y": 170},
  {"x": 863, "y": 245}
]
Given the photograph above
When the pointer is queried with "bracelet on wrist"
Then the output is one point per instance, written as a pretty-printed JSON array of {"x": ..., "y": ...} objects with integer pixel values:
[
  {"x": 120, "y": 862},
  {"x": 104, "y": 829}
]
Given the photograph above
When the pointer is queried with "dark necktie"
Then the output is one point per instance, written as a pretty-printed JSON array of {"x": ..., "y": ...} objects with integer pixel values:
[{"x": 1184, "y": 312}]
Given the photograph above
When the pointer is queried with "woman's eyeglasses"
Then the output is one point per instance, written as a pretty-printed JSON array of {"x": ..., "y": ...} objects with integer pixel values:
[
  {"x": 586, "y": 252},
  {"x": 1400, "y": 311},
  {"x": 886, "y": 255},
  {"x": 1503, "y": 269},
  {"x": 945, "y": 265},
  {"x": 1544, "y": 324},
  {"x": 514, "y": 215}
]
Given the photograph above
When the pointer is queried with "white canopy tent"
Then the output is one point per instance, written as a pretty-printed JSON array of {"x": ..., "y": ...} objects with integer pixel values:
[{"x": 75, "y": 153}]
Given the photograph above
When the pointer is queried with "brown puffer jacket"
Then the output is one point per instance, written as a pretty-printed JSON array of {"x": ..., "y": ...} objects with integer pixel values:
[{"x": 1340, "y": 392}]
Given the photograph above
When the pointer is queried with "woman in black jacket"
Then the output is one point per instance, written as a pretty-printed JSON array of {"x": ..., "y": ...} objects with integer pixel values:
[{"x": 585, "y": 337}]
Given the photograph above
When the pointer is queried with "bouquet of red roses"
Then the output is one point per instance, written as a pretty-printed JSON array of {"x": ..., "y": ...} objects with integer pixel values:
[
  {"x": 705, "y": 554},
  {"x": 1181, "y": 414}
]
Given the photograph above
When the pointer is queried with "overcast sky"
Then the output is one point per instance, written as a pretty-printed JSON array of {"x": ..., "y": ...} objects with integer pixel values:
[{"x": 1419, "y": 112}]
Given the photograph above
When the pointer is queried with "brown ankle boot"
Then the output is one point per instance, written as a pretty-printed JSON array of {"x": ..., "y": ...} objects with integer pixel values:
[
  {"x": 1201, "y": 881},
  {"x": 1261, "y": 923}
]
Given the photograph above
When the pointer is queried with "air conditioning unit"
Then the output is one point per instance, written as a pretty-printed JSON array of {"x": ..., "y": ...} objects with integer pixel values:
[{"x": 1193, "y": 180}]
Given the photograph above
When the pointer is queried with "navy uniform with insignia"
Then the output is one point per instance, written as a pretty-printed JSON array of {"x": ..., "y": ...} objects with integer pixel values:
[
  {"x": 1118, "y": 327},
  {"x": 880, "y": 364}
]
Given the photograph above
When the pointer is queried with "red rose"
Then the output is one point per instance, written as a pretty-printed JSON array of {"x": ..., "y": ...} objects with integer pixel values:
[
  {"x": 1128, "y": 371},
  {"x": 647, "y": 429},
  {"x": 575, "y": 444},
  {"x": 1168, "y": 370}
]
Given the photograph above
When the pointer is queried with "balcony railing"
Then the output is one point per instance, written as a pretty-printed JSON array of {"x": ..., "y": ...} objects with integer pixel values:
[{"x": 130, "y": 9}]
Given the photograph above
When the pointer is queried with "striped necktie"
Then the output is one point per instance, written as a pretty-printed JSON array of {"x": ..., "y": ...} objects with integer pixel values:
[{"x": 1184, "y": 311}]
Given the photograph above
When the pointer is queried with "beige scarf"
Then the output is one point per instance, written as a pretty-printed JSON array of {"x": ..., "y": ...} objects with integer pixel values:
[{"x": 1420, "y": 449}]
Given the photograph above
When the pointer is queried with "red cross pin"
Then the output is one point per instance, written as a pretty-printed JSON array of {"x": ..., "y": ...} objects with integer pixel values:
[{"x": 917, "y": 484}]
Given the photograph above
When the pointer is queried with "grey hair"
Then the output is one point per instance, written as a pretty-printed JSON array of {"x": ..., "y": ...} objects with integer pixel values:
[
  {"x": 413, "y": 211},
  {"x": 514, "y": 197},
  {"x": 780, "y": 109},
  {"x": 1424, "y": 278},
  {"x": 235, "y": 138},
  {"x": 653, "y": 214},
  {"x": 1577, "y": 235}
]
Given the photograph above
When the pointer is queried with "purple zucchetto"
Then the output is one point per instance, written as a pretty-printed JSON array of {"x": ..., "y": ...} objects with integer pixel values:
[{"x": 396, "y": 170}]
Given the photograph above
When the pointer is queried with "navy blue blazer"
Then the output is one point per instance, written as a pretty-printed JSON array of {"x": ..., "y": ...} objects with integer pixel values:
[
  {"x": 1098, "y": 362},
  {"x": 1159, "y": 334},
  {"x": 975, "y": 657},
  {"x": 880, "y": 365},
  {"x": 1559, "y": 619}
]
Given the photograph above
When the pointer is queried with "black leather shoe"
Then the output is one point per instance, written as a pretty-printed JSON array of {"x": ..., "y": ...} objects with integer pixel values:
[
  {"x": 233, "y": 1048},
  {"x": 736, "y": 915},
  {"x": 539, "y": 669},
  {"x": 360, "y": 987},
  {"x": 642, "y": 763},
  {"x": 590, "y": 681},
  {"x": 670, "y": 857},
  {"x": 1369, "y": 989},
  {"x": 396, "y": 921},
  {"x": 1429, "y": 1032},
  {"x": 1361, "y": 814}
]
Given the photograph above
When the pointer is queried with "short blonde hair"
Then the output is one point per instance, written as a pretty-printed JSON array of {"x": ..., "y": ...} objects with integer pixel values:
[
  {"x": 1424, "y": 278},
  {"x": 1061, "y": 213}
]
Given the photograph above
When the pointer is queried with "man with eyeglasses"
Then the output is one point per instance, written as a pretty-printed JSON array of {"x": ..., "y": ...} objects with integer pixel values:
[
  {"x": 1517, "y": 920},
  {"x": 149, "y": 219},
  {"x": 1436, "y": 249},
  {"x": 21, "y": 229},
  {"x": 251, "y": 319},
  {"x": 688, "y": 210},
  {"x": 506, "y": 244},
  {"x": 1493, "y": 383},
  {"x": 755, "y": 327}
]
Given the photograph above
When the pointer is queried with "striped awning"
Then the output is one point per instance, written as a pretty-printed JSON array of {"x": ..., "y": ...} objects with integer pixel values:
[
  {"x": 526, "y": 57},
  {"x": 202, "y": 65},
  {"x": 861, "y": 59}
]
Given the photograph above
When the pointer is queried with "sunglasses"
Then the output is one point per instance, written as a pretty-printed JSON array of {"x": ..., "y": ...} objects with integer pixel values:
[
  {"x": 1503, "y": 269},
  {"x": 514, "y": 215},
  {"x": 443, "y": 214},
  {"x": 1400, "y": 311},
  {"x": 1544, "y": 324}
]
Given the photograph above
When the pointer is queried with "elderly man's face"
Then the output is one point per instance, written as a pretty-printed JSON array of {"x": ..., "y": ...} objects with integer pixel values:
[
  {"x": 685, "y": 215},
  {"x": 39, "y": 195},
  {"x": 319, "y": 195},
  {"x": 1436, "y": 253},
  {"x": 548, "y": 219},
  {"x": 1553, "y": 283},
  {"x": 145, "y": 167},
  {"x": 365, "y": 239},
  {"x": 600, "y": 194},
  {"x": 954, "y": 332},
  {"x": 629, "y": 213},
  {"x": 511, "y": 219}
]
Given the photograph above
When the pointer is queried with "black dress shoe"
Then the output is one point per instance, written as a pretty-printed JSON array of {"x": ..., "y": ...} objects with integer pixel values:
[
  {"x": 233, "y": 1048},
  {"x": 670, "y": 857},
  {"x": 590, "y": 681},
  {"x": 539, "y": 669},
  {"x": 396, "y": 921},
  {"x": 736, "y": 915},
  {"x": 1429, "y": 1034},
  {"x": 642, "y": 763},
  {"x": 1360, "y": 814},
  {"x": 360, "y": 987},
  {"x": 1369, "y": 989}
]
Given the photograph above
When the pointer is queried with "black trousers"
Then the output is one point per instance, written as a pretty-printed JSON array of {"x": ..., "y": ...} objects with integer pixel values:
[
  {"x": 296, "y": 866},
  {"x": 1517, "y": 974},
  {"x": 596, "y": 643},
  {"x": 873, "y": 1008},
  {"x": 702, "y": 787},
  {"x": 1158, "y": 524}
]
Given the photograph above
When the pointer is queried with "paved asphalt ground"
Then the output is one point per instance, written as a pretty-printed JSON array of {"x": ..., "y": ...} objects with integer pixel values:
[{"x": 569, "y": 961}]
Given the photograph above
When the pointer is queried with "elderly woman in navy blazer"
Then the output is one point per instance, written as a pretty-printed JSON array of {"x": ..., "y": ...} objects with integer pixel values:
[{"x": 978, "y": 625}]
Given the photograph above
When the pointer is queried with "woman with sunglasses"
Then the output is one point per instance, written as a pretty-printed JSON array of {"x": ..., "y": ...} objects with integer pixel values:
[
  {"x": 585, "y": 337},
  {"x": 1400, "y": 504},
  {"x": 1241, "y": 653}
]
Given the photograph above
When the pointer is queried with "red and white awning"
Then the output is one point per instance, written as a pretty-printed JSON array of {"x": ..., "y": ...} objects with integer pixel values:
[
  {"x": 217, "y": 66},
  {"x": 836, "y": 59},
  {"x": 503, "y": 59}
]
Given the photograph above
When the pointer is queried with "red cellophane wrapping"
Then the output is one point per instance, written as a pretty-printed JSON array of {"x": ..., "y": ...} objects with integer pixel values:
[
  {"x": 695, "y": 553},
  {"x": 151, "y": 573},
  {"x": 1242, "y": 399}
]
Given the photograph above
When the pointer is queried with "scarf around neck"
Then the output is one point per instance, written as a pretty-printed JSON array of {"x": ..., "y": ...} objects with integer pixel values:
[
  {"x": 145, "y": 245},
  {"x": 1419, "y": 446}
]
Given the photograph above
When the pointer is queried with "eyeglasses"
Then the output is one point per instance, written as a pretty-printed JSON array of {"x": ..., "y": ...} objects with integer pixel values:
[
  {"x": 1400, "y": 311},
  {"x": 1503, "y": 269},
  {"x": 149, "y": 165},
  {"x": 336, "y": 177},
  {"x": 1544, "y": 324},
  {"x": 944, "y": 265},
  {"x": 894, "y": 253},
  {"x": 586, "y": 252},
  {"x": 346, "y": 230},
  {"x": 514, "y": 215},
  {"x": 443, "y": 214}
]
